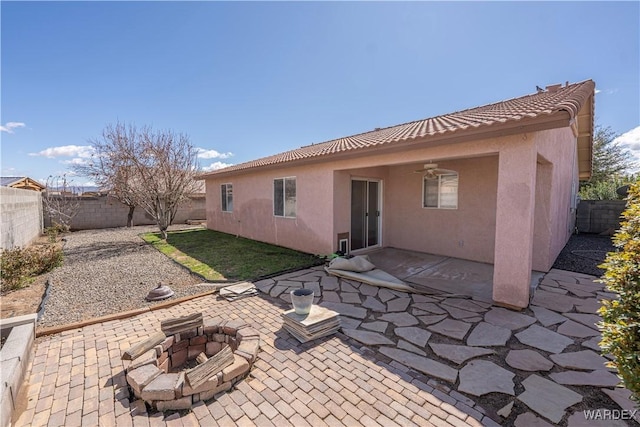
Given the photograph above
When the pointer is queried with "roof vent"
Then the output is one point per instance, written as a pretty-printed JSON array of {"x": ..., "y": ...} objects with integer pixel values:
[
  {"x": 554, "y": 88},
  {"x": 377, "y": 129}
]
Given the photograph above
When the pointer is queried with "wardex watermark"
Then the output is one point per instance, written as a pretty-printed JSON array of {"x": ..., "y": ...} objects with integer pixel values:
[{"x": 611, "y": 414}]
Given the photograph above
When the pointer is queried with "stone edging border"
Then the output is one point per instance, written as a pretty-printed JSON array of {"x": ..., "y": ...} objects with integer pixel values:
[{"x": 121, "y": 315}]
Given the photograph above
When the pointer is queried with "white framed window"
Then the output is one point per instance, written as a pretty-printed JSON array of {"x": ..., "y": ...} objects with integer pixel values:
[
  {"x": 284, "y": 197},
  {"x": 440, "y": 191},
  {"x": 226, "y": 192}
]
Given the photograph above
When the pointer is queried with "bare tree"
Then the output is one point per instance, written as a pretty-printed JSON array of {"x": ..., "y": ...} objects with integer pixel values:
[
  {"x": 61, "y": 202},
  {"x": 109, "y": 167},
  {"x": 150, "y": 169}
]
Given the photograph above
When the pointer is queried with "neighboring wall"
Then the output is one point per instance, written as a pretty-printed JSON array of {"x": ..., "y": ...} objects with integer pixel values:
[
  {"x": 21, "y": 213},
  {"x": 598, "y": 216},
  {"x": 107, "y": 212}
]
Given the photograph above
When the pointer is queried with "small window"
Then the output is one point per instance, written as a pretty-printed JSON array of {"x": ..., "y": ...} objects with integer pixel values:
[
  {"x": 284, "y": 197},
  {"x": 441, "y": 191},
  {"x": 226, "y": 191}
]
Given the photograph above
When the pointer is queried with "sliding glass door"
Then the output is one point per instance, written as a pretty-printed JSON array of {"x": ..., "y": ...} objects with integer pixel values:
[{"x": 365, "y": 214}]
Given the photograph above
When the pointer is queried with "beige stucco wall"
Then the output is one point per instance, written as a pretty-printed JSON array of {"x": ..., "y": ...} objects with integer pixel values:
[
  {"x": 542, "y": 223},
  {"x": 510, "y": 188},
  {"x": 558, "y": 146},
  {"x": 467, "y": 232},
  {"x": 515, "y": 210},
  {"x": 536, "y": 175},
  {"x": 252, "y": 216},
  {"x": 342, "y": 198}
]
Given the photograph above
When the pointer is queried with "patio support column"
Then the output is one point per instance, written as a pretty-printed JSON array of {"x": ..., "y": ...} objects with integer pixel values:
[{"x": 515, "y": 213}]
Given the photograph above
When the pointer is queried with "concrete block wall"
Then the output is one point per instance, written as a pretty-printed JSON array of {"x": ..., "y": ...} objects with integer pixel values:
[
  {"x": 598, "y": 216},
  {"x": 21, "y": 217},
  {"x": 20, "y": 333},
  {"x": 107, "y": 212}
]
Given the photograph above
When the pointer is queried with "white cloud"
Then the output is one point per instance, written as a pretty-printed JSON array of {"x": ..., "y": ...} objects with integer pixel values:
[
  {"x": 631, "y": 141},
  {"x": 82, "y": 151},
  {"x": 10, "y": 126},
  {"x": 10, "y": 172},
  {"x": 607, "y": 91},
  {"x": 212, "y": 154},
  {"x": 215, "y": 166}
]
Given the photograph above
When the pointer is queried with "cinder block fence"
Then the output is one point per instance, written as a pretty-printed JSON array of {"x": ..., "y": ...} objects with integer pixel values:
[
  {"x": 21, "y": 214},
  {"x": 598, "y": 216},
  {"x": 107, "y": 212}
]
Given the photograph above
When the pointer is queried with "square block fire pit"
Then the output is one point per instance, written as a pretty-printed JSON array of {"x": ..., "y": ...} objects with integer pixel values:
[{"x": 190, "y": 360}]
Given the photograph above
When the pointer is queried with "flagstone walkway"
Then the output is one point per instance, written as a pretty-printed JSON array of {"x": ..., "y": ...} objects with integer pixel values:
[{"x": 401, "y": 359}]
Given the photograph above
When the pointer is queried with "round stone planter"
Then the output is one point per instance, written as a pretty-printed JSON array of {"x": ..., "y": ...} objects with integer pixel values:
[
  {"x": 161, "y": 375},
  {"x": 302, "y": 300}
]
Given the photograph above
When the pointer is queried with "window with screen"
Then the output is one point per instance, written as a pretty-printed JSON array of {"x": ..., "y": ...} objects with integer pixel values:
[
  {"x": 284, "y": 197},
  {"x": 441, "y": 191}
]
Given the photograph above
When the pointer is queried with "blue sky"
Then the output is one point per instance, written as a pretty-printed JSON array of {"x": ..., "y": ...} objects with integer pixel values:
[{"x": 246, "y": 80}]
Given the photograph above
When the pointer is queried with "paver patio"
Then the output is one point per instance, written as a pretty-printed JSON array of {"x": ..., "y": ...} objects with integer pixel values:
[{"x": 388, "y": 367}]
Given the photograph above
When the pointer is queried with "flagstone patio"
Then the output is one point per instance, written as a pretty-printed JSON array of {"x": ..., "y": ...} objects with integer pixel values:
[
  {"x": 401, "y": 359},
  {"x": 496, "y": 356}
]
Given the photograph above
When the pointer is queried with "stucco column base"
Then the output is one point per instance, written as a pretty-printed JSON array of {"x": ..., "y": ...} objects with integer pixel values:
[
  {"x": 509, "y": 306},
  {"x": 515, "y": 211}
]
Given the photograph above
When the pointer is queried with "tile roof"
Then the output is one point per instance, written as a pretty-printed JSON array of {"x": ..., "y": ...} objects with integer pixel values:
[
  {"x": 5, "y": 181},
  {"x": 569, "y": 98},
  {"x": 21, "y": 182}
]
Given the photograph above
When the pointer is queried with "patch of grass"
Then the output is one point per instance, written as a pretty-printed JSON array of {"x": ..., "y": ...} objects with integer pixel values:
[
  {"x": 220, "y": 256},
  {"x": 182, "y": 258}
]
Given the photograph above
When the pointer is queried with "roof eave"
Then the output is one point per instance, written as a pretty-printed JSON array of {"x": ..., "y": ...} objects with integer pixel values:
[
  {"x": 584, "y": 124},
  {"x": 558, "y": 119}
]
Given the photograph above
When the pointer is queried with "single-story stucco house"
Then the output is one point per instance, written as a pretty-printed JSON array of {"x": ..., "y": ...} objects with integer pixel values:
[{"x": 495, "y": 184}]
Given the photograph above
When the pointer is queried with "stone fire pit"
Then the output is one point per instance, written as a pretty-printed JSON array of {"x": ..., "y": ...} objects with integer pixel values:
[{"x": 190, "y": 360}]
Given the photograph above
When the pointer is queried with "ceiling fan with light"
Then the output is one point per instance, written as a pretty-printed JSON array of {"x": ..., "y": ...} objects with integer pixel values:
[{"x": 431, "y": 171}]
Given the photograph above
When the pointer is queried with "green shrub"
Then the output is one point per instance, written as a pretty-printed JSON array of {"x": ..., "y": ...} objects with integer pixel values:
[
  {"x": 54, "y": 231},
  {"x": 604, "y": 190},
  {"x": 18, "y": 266},
  {"x": 621, "y": 317}
]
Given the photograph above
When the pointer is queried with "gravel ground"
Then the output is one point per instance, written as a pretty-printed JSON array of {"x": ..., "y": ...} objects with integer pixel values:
[
  {"x": 108, "y": 271},
  {"x": 583, "y": 253},
  {"x": 112, "y": 270}
]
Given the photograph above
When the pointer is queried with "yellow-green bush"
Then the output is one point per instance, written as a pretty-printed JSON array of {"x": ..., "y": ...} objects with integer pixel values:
[
  {"x": 18, "y": 266},
  {"x": 54, "y": 231},
  {"x": 621, "y": 317}
]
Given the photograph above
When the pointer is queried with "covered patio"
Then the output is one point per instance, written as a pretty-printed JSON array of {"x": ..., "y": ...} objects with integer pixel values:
[{"x": 441, "y": 274}]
